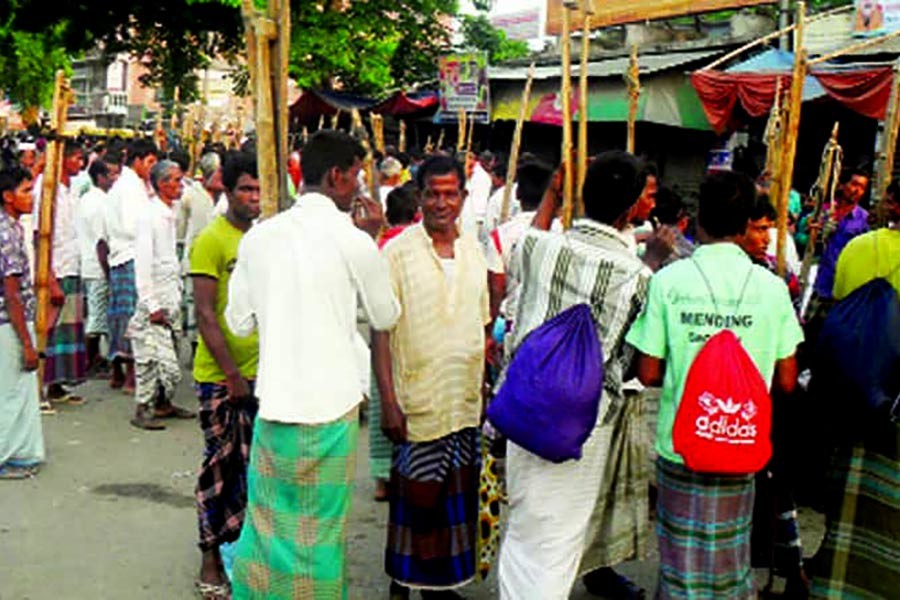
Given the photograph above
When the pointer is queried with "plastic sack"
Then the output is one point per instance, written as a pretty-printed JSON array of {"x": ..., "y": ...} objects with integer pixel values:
[{"x": 550, "y": 399}]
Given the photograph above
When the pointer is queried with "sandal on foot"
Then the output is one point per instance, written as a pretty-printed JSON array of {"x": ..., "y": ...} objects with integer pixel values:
[
  {"x": 47, "y": 408},
  {"x": 147, "y": 423},
  {"x": 10, "y": 473},
  {"x": 173, "y": 412},
  {"x": 213, "y": 591}
]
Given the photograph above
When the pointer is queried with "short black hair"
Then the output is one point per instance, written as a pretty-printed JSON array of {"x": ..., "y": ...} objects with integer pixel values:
[
  {"x": 11, "y": 178},
  {"x": 614, "y": 182},
  {"x": 439, "y": 165},
  {"x": 533, "y": 178},
  {"x": 98, "y": 169},
  {"x": 182, "y": 158},
  {"x": 762, "y": 209},
  {"x": 326, "y": 150},
  {"x": 235, "y": 164},
  {"x": 893, "y": 189},
  {"x": 849, "y": 173},
  {"x": 669, "y": 207},
  {"x": 402, "y": 204},
  {"x": 71, "y": 147},
  {"x": 726, "y": 200},
  {"x": 141, "y": 148}
]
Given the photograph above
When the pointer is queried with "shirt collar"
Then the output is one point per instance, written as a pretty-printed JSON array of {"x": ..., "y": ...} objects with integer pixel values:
[
  {"x": 594, "y": 232},
  {"x": 316, "y": 200},
  {"x": 721, "y": 250}
]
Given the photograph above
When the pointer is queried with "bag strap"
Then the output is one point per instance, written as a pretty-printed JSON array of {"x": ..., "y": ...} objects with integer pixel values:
[{"x": 710, "y": 290}]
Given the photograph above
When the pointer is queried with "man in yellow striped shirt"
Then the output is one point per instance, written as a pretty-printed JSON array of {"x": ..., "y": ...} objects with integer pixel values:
[{"x": 430, "y": 370}]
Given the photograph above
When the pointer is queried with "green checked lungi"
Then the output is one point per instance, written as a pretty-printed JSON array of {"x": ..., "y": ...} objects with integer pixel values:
[{"x": 300, "y": 482}]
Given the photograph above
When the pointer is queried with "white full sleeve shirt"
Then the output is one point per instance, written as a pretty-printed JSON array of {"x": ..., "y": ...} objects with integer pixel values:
[
  {"x": 127, "y": 200},
  {"x": 157, "y": 271},
  {"x": 65, "y": 255},
  {"x": 90, "y": 225},
  {"x": 299, "y": 279}
]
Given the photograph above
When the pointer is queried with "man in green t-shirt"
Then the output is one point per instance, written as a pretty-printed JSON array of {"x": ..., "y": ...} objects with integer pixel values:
[
  {"x": 224, "y": 374},
  {"x": 703, "y": 519}
]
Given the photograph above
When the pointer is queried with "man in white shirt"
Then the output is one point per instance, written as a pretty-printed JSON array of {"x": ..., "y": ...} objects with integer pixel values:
[
  {"x": 298, "y": 279},
  {"x": 90, "y": 224},
  {"x": 66, "y": 359},
  {"x": 478, "y": 191},
  {"x": 157, "y": 316},
  {"x": 128, "y": 198}
]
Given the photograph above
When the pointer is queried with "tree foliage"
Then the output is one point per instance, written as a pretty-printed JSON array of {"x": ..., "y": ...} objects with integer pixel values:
[{"x": 479, "y": 34}]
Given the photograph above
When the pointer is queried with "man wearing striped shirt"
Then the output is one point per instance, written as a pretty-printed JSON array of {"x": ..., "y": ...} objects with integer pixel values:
[{"x": 429, "y": 369}]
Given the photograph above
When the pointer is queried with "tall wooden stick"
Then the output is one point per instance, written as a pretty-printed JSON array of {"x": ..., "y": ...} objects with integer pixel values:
[
  {"x": 401, "y": 144},
  {"x": 633, "y": 80},
  {"x": 583, "y": 107},
  {"x": 888, "y": 147},
  {"x": 461, "y": 131},
  {"x": 470, "y": 136},
  {"x": 359, "y": 129},
  {"x": 52, "y": 170},
  {"x": 789, "y": 139},
  {"x": 321, "y": 123},
  {"x": 440, "y": 142},
  {"x": 566, "y": 91},
  {"x": 822, "y": 195},
  {"x": 516, "y": 144}
]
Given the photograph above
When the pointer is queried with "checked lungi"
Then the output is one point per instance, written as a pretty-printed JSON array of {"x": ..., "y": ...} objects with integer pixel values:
[
  {"x": 860, "y": 556},
  {"x": 122, "y": 302},
  {"x": 97, "y": 293},
  {"x": 155, "y": 355},
  {"x": 434, "y": 511},
  {"x": 703, "y": 526},
  {"x": 66, "y": 352},
  {"x": 300, "y": 483},
  {"x": 222, "y": 482},
  {"x": 381, "y": 449}
]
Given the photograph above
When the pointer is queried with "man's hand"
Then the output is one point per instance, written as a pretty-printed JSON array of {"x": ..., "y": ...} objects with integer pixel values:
[
  {"x": 368, "y": 215},
  {"x": 238, "y": 388},
  {"x": 29, "y": 358},
  {"x": 393, "y": 422},
  {"x": 57, "y": 297},
  {"x": 158, "y": 317},
  {"x": 659, "y": 247}
]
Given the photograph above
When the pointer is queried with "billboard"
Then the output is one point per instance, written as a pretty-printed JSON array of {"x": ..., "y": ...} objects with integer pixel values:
[
  {"x": 463, "y": 84},
  {"x": 619, "y": 12},
  {"x": 874, "y": 17},
  {"x": 523, "y": 25}
]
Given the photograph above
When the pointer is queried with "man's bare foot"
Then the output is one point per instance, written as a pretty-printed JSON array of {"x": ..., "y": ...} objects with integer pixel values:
[
  {"x": 381, "y": 490},
  {"x": 167, "y": 410}
]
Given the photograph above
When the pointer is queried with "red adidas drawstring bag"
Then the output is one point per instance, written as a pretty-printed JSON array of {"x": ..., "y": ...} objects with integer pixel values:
[{"x": 724, "y": 421}]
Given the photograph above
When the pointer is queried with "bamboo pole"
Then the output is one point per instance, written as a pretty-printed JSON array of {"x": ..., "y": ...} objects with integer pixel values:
[
  {"x": 359, "y": 129},
  {"x": 440, "y": 142},
  {"x": 583, "y": 107},
  {"x": 321, "y": 123},
  {"x": 173, "y": 118},
  {"x": 634, "y": 95},
  {"x": 823, "y": 194},
  {"x": 428, "y": 147},
  {"x": 471, "y": 123},
  {"x": 401, "y": 145},
  {"x": 789, "y": 138},
  {"x": 61, "y": 97},
  {"x": 854, "y": 48},
  {"x": 377, "y": 123},
  {"x": 566, "y": 91},
  {"x": 460, "y": 132},
  {"x": 772, "y": 134},
  {"x": 336, "y": 118},
  {"x": 280, "y": 12},
  {"x": 887, "y": 151},
  {"x": 516, "y": 144}
]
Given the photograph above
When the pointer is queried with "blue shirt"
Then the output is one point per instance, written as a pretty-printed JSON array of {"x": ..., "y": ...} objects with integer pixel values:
[
  {"x": 855, "y": 223},
  {"x": 14, "y": 263}
]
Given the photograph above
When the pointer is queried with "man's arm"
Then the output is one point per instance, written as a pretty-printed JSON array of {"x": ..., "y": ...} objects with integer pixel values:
[
  {"x": 393, "y": 421},
  {"x": 650, "y": 370},
  {"x": 103, "y": 256},
  {"x": 205, "y": 289},
  {"x": 785, "y": 380},
  {"x": 550, "y": 204},
  {"x": 16, "y": 310},
  {"x": 370, "y": 272},
  {"x": 497, "y": 290}
]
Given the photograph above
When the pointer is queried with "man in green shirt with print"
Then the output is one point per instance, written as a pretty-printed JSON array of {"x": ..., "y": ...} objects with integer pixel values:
[
  {"x": 703, "y": 519},
  {"x": 224, "y": 374}
]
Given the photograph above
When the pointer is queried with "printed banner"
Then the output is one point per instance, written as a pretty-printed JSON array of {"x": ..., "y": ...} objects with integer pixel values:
[
  {"x": 874, "y": 17},
  {"x": 464, "y": 86}
]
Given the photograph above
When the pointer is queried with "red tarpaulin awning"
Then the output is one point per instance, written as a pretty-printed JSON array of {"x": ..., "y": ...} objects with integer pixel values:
[{"x": 866, "y": 91}]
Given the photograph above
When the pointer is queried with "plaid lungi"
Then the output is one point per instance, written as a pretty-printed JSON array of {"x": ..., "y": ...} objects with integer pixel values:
[
  {"x": 380, "y": 447},
  {"x": 97, "y": 292},
  {"x": 703, "y": 526},
  {"x": 434, "y": 511},
  {"x": 860, "y": 556},
  {"x": 222, "y": 482},
  {"x": 122, "y": 302},
  {"x": 300, "y": 482},
  {"x": 66, "y": 353}
]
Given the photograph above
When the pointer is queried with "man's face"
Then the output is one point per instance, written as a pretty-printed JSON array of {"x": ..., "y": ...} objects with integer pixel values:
[
  {"x": 20, "y": 198},
  {"x": 854, "y": 190},
  {"x": 27, "y": 159},
  {"x": 113, "y": 171},
  {"x": 345, "y": 185},
  {"x": 442, "y": 201},
  {"x": 243, "y": 200},
  {"x": 171, "y": 187},
  {"x": 647, "y": 201},
  {"x": 143, "y": 166},
  {"x": 214, "y": 185},
  {"x": 755, "y": 240},
  {"x": 73, "y": 163}
]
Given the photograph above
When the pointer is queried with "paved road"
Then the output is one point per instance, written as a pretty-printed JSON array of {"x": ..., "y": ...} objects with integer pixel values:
[{"x": 112, "y": 514}]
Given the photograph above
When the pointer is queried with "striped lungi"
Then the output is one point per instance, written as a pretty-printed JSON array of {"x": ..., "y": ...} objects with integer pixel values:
[
  {"x": 703, "y": 525},
  {"x": 860, "y": 556},
  {"x": 222, "y": 482},
  {"x": 66, "y": 354},
  {"x": 380, "y": 447},
  {"x": 97, "y": 293},
  {"x": 122, "y": 302},
  {"x": 300, "y": 482},
  {"x": 434, "y": 511}
]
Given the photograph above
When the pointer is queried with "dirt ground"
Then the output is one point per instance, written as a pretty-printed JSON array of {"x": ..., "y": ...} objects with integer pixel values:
[{"x": 112, "y": 514}]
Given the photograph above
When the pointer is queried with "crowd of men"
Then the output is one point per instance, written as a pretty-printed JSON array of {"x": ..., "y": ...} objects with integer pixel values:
[{"x": 150, "y": 265}]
